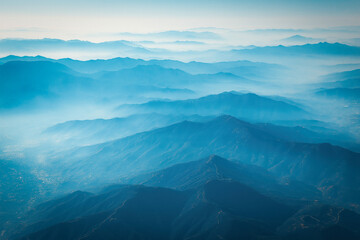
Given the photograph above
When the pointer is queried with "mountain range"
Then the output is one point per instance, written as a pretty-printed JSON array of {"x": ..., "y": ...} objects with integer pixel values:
[
  {"x": 132, "y": 49},
  {"x": 318, "y": 49},
  {"x": 202, "y": 138},
  {"x": 48, "y": 45},
  {"x": 245, "y": 69},
  {"x": 28, "y": 82},
  {"x": 246, "y": 106},
  {"x": 331, "y": 169},
  {"x": 213, "y": 206}
]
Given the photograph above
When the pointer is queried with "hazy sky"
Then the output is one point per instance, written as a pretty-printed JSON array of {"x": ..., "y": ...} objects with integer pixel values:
[{"x": 81, "y": 18}]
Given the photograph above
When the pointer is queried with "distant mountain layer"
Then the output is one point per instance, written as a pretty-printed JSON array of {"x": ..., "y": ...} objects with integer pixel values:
[
  {"x": 84, "y": 132},
  {"x": 329, "y": 168},
  {"x": 32, "y": 46},
  {"x": 26, "y": 82},
  {"x": 175, "y": 35},
  {"x": 21, "y": 82},
  {"x": 247, "y": 106},
  {"x": 351, "y": 94},
  {"x": 245, "y": 69},
  {"x": 215, "y": 205},
  {"x": 154, "y": 75},
  {"x": 299, "y": 39},
  {"x": 348, "y": 79},
  {"x": 130, "y": 49},
  {"x": 344, "y": 75},
  {"x": 323, "y": 48},
  {"x": 29, "y": 82}
]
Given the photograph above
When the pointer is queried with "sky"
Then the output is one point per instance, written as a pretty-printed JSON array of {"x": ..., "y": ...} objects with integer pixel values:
[{"x": 81, "y": 19}]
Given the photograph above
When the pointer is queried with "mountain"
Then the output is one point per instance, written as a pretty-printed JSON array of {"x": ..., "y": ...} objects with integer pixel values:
[
  {"x": 218, "y": 209},
  {"x": 331, "y": 169},
  {"x": 24, "y": 81},
  {"x": 322, "y": 48},
  {"x": 310, "y": 132},
  {"x": 51, "y": 46},
  {"x": 347, "y": 79},
  {"x": 246, "y": 106},
  {"x": 85, "y": 132},
  {"x": 89, "y": 66},
  {"x": 349, "y": 94},
  {"x": 25, "y": 58},
  {"x": 158, "y": 76},
  {"x": 344, "y": 75},
  {"x": 160, "y": 213},
  {"x": 174, "y": 35},
  {"x": 34, "y": 82},
  {"x": 299, "y": 39},
  {"x": 193, "y": 174},
  {"x": 72, "y": 206},
  {"x": 245, "y": 69},
  {"x": 148, "y": 75}
]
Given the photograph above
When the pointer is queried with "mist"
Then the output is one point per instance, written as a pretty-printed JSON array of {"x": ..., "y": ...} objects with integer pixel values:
[{"x": 179, "y": 114}]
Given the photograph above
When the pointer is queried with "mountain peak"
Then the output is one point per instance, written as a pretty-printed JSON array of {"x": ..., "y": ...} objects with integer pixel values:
[
  {"x": 215, "y": 159},
  {"x": 228, "y": 119}
]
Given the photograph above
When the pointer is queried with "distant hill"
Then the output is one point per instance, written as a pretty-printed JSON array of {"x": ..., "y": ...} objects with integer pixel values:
[
  {"x": 349, "y": 94},
  {"x": 320, "y": 49},
  {"x": 22, "y": 81},
  {"x": 48, "y": 45},
  {"x": 299, "y": 39},
  {"x": 154, "y": 75},
  {"x": 245, "y": 69},
  {"x": 246, "y": 106},
  {"x": 34, "y": 82},
  {"x": 347, "y": 79}
]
